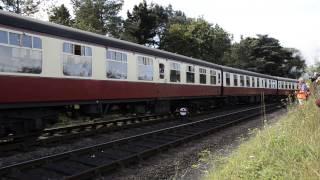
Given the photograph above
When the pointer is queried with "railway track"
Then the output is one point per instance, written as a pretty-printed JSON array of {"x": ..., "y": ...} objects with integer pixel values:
[
  {"x": 63, "y": 134},
  {"x": 60, "y": 134},
  {"x": 88, "y": 162}
]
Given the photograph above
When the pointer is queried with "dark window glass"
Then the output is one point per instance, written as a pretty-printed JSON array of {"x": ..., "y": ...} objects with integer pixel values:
[
  {"x": 235, "y": 80},
  {"x": 37, "y": 43},
  {"x": 161, "y": 71},
  {"x": 15, "y": 39},
  {"x": 174, "y": 76},
  {"x": 227, "y": 79},
  {"x": 190, "y": 77},
  {"x": 258, "y": 82},
  {"x": 203, "y": 79},
  {"x": 253, "y": 82},
  {"x": 26, "y": 41},
  {"x": 265, "y": 83},
  {"x": 77, "y": 50},
  {"x": 4, "y": 37},
  {"x": 248, "y": 81},
  {"x": 242, "y": 81}
]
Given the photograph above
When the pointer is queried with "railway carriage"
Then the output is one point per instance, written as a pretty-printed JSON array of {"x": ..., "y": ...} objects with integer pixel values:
[{"x": 47, "y": 68}]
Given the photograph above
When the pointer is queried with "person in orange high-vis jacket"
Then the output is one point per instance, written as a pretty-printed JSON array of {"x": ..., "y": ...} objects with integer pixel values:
[{"x": 302, "y": 93}]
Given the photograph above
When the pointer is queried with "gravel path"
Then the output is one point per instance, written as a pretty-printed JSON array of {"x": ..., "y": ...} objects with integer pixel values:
[{"x": 178, "y": 163}]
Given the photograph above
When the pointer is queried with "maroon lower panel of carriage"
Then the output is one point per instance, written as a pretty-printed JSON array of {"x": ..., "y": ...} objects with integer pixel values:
[
  {"x": 242, "y": 91},
  {"x": 18, "y": 89}
]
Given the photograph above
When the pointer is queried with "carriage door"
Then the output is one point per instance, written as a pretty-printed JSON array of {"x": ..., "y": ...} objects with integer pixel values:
[{"x": 162, "y": 69}]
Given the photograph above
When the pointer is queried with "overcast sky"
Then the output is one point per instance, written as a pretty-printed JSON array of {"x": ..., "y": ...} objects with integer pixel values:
[{"x": 296, "y": 23}]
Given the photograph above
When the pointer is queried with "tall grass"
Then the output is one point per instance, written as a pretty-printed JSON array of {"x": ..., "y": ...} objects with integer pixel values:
[{"x": 288, "y": 149}]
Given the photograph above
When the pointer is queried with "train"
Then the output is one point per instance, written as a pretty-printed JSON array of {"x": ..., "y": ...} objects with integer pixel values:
[{"x": 47, "y": 69}]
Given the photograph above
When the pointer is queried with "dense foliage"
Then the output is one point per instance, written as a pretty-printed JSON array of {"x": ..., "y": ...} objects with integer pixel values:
[
  {"x": 197, "y": 39},
  {"x": 60, "y": 15},
  {"x": 164, "y": 28},
  {"x": 98, "y": 16},
  {"x": 24, "y": 7},
  {"x": 265, "y": 55}
]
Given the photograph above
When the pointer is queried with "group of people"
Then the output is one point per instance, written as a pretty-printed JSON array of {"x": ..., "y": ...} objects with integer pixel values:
[{"x": 304, "y": 89}]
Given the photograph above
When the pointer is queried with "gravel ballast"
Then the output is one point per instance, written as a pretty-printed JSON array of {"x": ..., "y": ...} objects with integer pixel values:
[
  {"x": 179, "y": 162},
  {"x": 93, "y": 140}
]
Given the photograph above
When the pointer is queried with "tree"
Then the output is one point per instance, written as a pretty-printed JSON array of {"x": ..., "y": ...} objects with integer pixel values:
[
  {"x": 265, "y": 55},
  {"x": 24, "y": 7},
  {"x": 60, "y": 15},
  {"x": 198, "y": 39},
  {"x": 98, "y": 16},
  {"x": 145, "y": 24}
]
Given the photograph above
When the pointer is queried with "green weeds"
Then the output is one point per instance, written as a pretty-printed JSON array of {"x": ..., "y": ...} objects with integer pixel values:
[{"x": 288, "y": 149}]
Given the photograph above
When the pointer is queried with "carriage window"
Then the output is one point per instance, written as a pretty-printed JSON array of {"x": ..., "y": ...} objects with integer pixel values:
[
  {"x": 15, "y": 39},
  {"x": 219, "y": 78},
  {"x": 228, "y": 79},
  {"x": 4, "y": 37},
  {"x": 161, "y": 71},
  {"x": 37, "y": 43},
  {"x": 117, "y": 67},
  {"x": 203, "y": 76},
  {"x": 68, "y": 48},
  {"x": 266, "y": 83},
  {"x": 145, "y": 68},
  {"x": 174, "y": 72},
  {"x": 213, "y": 77},
  {"x": 241, "y": 80},
  {"x": 19, "y": 59},
  {"x": 26, "y": 41},
  {"x": 269, "y": 83},
  {"x": 235, "y": 80},
  {"x": 77, "y": 50},
  {"x": 248, "y": 81},
  {"x": 253, "y": 82},
  {"x": 75, "y": 61},
  {"x": 190, "y": 74},
  {"x": 258, "y": 82}
]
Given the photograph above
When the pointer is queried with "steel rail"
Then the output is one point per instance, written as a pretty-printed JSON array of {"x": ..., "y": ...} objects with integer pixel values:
[
  {"x": 60, "y": 134},
  {"x": 87, "y": 162}
]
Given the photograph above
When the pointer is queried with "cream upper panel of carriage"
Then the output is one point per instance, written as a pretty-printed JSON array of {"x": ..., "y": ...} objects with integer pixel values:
[
  {"x": 21, "y": 53},
  {"x": 242, "y": 80},
  {"x": 185, "y": 73},
  {"x": 238, "y": 80},
  {"x": 30, "y": 54},
  {"x": 285, "y": 85}
]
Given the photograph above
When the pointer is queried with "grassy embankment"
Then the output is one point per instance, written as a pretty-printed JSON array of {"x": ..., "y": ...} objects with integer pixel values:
[{"x": 288, "y": 149}]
